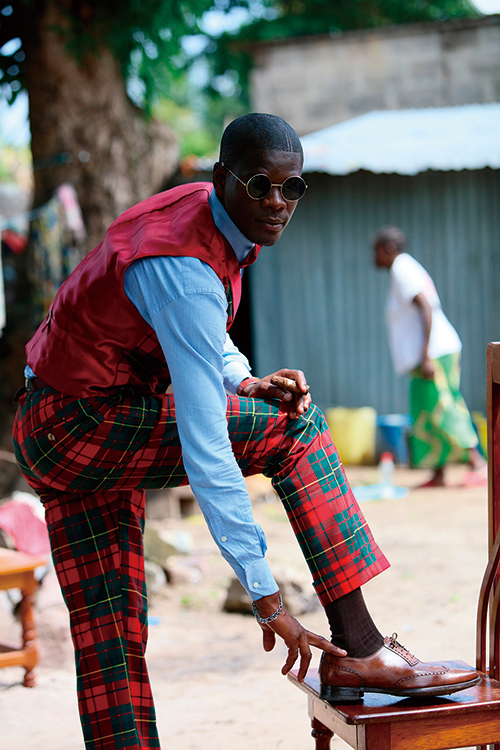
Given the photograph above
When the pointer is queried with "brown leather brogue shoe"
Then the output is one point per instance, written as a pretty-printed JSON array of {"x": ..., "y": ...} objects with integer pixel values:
[{"x": 392, "y": 669}]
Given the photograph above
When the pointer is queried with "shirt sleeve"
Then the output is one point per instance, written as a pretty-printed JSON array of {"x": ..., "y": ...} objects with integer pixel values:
[
  {"x": 184, "y": 301},
  {"x": 236, "y": 366},
  {"x": 409, "y": 276}
]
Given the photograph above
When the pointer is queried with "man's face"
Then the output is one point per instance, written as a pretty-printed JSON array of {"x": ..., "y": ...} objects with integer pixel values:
[
  {"x": 383, "y": 258},
  {"x": 261, "y": 221}
]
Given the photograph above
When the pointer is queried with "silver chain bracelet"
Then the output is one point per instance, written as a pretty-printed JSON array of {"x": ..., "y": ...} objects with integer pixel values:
[{"x": 267, "y": 620}]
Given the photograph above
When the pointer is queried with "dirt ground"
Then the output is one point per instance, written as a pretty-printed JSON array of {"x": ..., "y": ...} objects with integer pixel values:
[{"x": 214, "y": 686}]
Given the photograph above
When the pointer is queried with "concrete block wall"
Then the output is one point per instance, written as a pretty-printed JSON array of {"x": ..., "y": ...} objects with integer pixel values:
[{"x": 315, "y": 82}]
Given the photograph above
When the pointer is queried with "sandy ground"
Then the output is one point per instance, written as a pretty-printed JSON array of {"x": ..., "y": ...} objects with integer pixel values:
[{"x": 213, "y": 684}]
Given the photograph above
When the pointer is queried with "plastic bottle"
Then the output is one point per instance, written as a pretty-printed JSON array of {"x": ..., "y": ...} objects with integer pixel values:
[{"x": 386, "y": 471}]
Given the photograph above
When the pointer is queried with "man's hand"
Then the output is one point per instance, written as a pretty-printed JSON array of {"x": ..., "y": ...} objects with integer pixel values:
[
  {"x": 296, "y": 403},
  {"x": 297, "y": 639},
  {"x": 427, "y": 368}
]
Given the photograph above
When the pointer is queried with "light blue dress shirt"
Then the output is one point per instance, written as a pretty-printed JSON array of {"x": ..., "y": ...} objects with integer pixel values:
[{"x": 183, "y": 299}]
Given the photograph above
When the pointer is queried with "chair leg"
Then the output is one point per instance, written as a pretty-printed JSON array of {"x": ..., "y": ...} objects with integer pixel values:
[
  {"x": 29, "y": 634},
  {"x": 321, "y": 734}
]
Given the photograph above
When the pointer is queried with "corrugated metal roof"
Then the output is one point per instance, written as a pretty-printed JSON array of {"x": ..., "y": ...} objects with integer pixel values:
[{"x": 408, "y": 141}]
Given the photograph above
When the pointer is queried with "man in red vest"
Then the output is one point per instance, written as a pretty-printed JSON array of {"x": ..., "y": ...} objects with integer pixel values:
[{"x": 147, "y": 309}]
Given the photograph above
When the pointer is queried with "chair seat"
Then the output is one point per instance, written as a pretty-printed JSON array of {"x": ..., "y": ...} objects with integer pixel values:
[{"x": 381, "y": 707}]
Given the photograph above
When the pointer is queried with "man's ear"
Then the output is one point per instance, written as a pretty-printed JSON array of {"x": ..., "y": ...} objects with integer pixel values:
[{"x": 219, "y": 180}]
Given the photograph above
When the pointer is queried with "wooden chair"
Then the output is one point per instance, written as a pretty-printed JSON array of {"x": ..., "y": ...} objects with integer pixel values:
[
  {"x": 467, "y": 718},
  {"x": 17, "y": 571}
]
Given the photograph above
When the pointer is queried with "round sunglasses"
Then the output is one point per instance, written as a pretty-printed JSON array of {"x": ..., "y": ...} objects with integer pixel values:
[{"x": 259, "y": 186}]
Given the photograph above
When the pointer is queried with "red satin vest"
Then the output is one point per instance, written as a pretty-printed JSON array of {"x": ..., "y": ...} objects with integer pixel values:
[{"x": 94, "y": 338}]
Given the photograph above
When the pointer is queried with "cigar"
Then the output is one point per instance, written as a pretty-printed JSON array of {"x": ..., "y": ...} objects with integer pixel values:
[{"x": 288, "y": 384}]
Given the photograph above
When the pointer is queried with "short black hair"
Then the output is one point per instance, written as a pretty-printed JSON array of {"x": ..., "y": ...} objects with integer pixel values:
[
  {"x": 257, "y": 130},
  {"x": 391, "y": 234}
]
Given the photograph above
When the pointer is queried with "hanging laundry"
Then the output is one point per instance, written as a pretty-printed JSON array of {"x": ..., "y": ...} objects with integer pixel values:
[
  {"x": 74, "y": 219},
  {"x": 57, "y": 236},
  {"x": 15, "y": 241}
]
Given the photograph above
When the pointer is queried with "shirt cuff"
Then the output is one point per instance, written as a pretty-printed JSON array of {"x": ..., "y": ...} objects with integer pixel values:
[
  {"x": 243, "y": 385},
  {"x": 234, "y": 373},
  {"x": 258, "y": 580}
]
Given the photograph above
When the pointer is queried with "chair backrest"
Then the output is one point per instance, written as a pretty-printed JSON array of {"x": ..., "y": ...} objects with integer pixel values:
[
  {"x": 493, "y": 425},
  {"x": 488, "y": 618}
]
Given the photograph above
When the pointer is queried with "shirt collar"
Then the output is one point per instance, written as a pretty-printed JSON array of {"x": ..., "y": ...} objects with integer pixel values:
[{"x": 240, "y": 244}]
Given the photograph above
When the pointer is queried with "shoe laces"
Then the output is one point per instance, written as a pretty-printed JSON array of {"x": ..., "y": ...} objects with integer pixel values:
[{"x": 401, "y": 650}]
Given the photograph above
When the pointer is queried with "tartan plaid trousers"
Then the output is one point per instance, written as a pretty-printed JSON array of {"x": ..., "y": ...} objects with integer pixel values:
[{"x": 91, "y": 459}]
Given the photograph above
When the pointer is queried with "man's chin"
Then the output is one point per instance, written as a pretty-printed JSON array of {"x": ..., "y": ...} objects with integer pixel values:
[{"x": 268, "y": 239}]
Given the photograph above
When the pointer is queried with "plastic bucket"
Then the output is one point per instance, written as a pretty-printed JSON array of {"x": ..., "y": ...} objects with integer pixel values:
[
  {"x": 353, "y": 432},
  {"x": 393, "y": 436}
]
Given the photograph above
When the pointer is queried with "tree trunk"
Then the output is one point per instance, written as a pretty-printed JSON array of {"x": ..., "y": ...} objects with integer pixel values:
[{"x": 85, "y": 130}]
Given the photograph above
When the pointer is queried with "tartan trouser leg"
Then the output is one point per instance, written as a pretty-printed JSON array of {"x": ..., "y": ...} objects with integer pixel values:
[
  {"x": 97, "y": 550},
  {"x": 92, "y": 458},
  {"x": 309, "y": 478},
  {"x": 131, "y": 442}
]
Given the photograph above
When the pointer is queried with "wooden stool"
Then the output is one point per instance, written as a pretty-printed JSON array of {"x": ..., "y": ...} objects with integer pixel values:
[
  {"x": 17, "y": 571},
  {"x": 385, "y": 722}
]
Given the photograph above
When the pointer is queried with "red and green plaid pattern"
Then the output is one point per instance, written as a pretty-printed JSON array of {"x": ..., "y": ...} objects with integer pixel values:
[
  {"x": 97, "y": 550},
  {"x": 95, "y": 453}
]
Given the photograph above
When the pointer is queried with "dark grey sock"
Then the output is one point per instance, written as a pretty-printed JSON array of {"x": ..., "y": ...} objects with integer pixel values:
[{"x": 352, "y": 627}]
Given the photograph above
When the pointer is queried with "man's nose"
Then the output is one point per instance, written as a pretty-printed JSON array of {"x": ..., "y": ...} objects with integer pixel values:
[{"x": 274, "y": 198}]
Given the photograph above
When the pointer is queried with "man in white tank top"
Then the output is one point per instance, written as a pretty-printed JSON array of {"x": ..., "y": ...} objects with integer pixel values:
[{"x": 424, "y": 344}]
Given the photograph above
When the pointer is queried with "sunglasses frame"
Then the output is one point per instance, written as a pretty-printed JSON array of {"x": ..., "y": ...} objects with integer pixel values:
[{"x": 271, "y": 185}]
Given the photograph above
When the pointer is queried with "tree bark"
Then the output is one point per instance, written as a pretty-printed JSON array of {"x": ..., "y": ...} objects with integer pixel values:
[
  {"x": 84, "y": 128},
  {"x": 77, "y": 108}
]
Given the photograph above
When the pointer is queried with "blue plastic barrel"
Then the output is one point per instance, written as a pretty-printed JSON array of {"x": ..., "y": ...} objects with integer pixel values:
[{"x": 392, "y": 435}]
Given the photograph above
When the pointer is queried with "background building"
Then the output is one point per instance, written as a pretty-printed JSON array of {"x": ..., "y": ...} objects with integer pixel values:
[
  {"x": 318, "y": 302},
  {"x": 318, "y": 81}
]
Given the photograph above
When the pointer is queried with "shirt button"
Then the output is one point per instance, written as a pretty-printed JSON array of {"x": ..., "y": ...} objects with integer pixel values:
[
  {"x": 223, "y": 538},
  {"x": 256, "y": 585}
]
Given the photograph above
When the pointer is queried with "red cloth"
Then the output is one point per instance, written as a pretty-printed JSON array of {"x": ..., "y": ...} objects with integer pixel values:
[
  {"x": 110, "y": 343},
  {"x": 28, "y": 532},
  {"x": 17, "y": 243}
]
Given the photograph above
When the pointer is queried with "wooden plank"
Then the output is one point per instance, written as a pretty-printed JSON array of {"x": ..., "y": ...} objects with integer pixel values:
[
  {"x": 493, "y": 360},
  {"x": 18, "y": 658},
  {"x": 448, "y": 732},
  {"x": 376, "y": 737},
  {"x": 12, "y": 580},
  {"x": 19, "y": 561}
]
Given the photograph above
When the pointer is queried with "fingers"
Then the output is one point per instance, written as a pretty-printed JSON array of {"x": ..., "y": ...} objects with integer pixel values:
[
  {"x": 298, "y": 641},
  {"x": 291, "y": 386},
  {"x": 322, "y": 643},
  {"x": 268, "y": 639},
  {"x": 305, "y": 641},
  {"x": 305, "y": 656},
  {"x": 301, "y": 406},
  {"x": 286, "y": 383},
  {"x": 298, "y": 378}
]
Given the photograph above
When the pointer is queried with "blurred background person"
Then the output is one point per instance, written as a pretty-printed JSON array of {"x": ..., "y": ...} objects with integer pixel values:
[{"x": 424, "y": 344}]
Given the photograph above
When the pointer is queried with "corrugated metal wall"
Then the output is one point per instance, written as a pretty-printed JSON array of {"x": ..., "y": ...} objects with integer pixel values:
[{"x": 318, "y": 300}]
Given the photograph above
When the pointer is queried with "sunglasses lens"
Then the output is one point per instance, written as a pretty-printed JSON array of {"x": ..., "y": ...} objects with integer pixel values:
[
  {"x": 293, "y": 188},
  {"x": 259, "y": 186}
]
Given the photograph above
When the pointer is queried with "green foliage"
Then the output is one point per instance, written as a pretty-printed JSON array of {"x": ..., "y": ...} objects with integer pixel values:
[
  {"x": 193, "y": 136},
  {"x": 153, "y": 30},
  {"x": 148, "y": 38},
  {"x": 15, "y": 164},
  {"x": 301, "y": 17}
]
